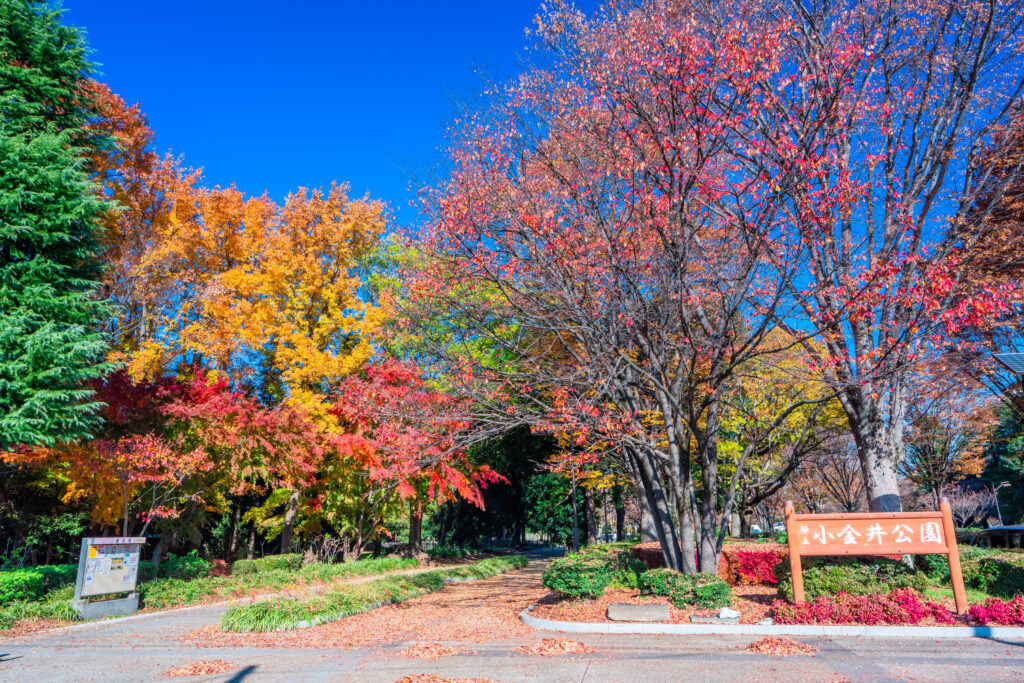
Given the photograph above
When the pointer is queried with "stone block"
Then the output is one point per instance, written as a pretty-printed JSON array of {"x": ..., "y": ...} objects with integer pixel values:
[
  {"x": 618, "y": 611},
  {"x": 700, "y": 619}
]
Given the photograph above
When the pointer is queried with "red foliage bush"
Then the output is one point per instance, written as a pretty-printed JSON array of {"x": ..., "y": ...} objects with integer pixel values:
[
  {"x": 996, "y": 611},
  {"x": 899, "y": 607},
  {"x": 741, "y": 563},
  {"x": 757, "y": 566}
]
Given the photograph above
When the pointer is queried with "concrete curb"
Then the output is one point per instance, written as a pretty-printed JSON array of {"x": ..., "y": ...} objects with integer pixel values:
[{"x": 994, "y": 632}]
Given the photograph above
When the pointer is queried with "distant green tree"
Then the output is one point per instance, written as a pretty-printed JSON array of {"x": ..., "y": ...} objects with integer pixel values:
[
  {"x": 50, "y": 343},
  {"x": 549, "y": 497},
  {"x": 517, "y": 456},
  {"x": 1005, "y": 462}
]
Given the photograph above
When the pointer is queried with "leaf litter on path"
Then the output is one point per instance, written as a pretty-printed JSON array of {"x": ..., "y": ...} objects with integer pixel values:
[
  {"x": 780, "y": 647},
  {"x": 474, "y": 611},
  {"x": 204, "y": 667},
  {"x": 552, "y": 647},
  {"x": 434, "y": 678},
  {"x": 428, "y": 651}
]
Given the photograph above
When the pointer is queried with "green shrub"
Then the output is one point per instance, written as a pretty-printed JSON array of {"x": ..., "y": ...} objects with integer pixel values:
[
  {"x": 659, "y": 582},
  {"x": 580, "y": 576},
  {"x": 870, "y": 576},
  {"x": 269, "y": 563},
  {"x": 291, "y": 561},
  {"x": 707, "y": 591},
  {"x": 625, "y": 565},
  {"x": 617, "y": 548},
  {"x": 323, "y": 571},
  {"x": 243, "y": 567},
  {"x": 628, "y": 576},
  {"x": 447, "y": 552},
  {"x": 189, "y": 566},
  {"x": 32, "y": 583},
  {"x": 995, "y": 575}
]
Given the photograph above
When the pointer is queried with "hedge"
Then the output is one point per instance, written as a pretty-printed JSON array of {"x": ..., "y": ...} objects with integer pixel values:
[
  {"x": 189, "y": 566},
  {"x": 825, "y": 576},
  {"x": 580, "y": 576},
  {"x": 707, "y": 591},
  {"x": 281, "y": 614},
  {"x": 32, "y": 583},
  {"x": 290, "y": 561}
]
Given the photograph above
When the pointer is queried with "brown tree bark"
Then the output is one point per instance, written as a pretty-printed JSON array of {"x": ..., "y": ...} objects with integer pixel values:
[{"x": 290, "y": 513}]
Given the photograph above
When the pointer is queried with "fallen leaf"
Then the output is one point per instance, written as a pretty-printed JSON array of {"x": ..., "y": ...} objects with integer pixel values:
[
  {"x": 550, "y": 647},
  {"x": 780, "y": 647},
  {"x": 204, "y": 667}
]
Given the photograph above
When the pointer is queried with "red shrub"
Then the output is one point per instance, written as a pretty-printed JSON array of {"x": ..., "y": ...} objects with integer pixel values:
[
  {"x": 899, "y": 607},
  {"x": 1009, "y": 613},
  {"x": 757, "y": 566}
]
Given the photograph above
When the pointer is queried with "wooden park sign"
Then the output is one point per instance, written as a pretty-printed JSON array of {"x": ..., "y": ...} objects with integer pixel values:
[{"x": 874, "y": 533}]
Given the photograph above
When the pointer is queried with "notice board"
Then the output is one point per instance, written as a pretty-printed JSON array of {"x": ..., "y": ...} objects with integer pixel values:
[{"x": 108, "y": 565}]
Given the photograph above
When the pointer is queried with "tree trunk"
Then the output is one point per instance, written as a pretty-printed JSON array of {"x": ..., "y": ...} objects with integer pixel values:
[
  {"x": 736, "y": 523},
  {"x": 707, "y": 548},
  {"x": 415, "y": 545},
  {"x": 290, "y": 513},
  {"x": 877, "y": 427},
  {"x": 880, "y": 479},
  {"x": 657, "y": 505},
  {"x": 158, "y": 551},
  {"x": 620, "y": 518},
  {"x": 648, "y": 529},
  {"x": 232, "y": 546},
  {"x": 591, "y": 516},
  {"x": 250, "y": 548},
  {"x": 746, "y": 522},
  {"x": 378, "y": 548}
]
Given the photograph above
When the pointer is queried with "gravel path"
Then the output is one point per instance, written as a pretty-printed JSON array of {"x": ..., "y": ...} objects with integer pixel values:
[{"x": 479, "y": 620}]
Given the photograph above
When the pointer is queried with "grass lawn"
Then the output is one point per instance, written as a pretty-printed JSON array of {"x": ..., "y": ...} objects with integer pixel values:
[
  {"x": 171, "y": 592},
  {"x": 944, "y": 595}
]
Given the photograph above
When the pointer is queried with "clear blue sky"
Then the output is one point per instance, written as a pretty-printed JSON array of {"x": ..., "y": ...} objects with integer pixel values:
[{"x": 276, "y": 95}]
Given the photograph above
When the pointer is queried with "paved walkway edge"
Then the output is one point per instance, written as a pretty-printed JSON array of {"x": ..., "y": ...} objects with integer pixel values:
[{"x": 992, "y": 632}]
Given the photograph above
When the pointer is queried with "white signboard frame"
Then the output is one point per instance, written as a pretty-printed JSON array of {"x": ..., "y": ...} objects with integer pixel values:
[{"x": 108, "y": 565}]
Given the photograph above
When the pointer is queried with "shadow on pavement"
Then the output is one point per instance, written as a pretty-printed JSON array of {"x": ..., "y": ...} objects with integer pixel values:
[
  {"x": 5, "y": 657},
  {"x": 240, "y": 676},
  {"x": 1016, "y": 643}
]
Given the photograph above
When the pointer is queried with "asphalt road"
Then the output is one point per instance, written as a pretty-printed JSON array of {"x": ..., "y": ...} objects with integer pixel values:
[{"x": 142, "y": 649}]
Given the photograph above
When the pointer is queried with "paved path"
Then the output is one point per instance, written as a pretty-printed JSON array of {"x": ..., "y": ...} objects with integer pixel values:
[{"x": 478, "y": 619}]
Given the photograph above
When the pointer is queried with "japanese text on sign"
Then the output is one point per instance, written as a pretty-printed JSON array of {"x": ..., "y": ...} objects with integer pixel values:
[{"x": 845, "y": 536}]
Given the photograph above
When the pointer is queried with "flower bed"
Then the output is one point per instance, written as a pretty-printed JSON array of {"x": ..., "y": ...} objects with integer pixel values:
[
  {"x": 996, "y": 611},
  {"x": 899, "y": 607}
]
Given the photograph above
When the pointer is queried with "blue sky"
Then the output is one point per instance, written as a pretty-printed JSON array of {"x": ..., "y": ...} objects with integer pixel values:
[{"x": 277, "y": 95}]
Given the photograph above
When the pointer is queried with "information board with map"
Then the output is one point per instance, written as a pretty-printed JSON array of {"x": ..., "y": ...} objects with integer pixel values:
[{"x": 108, "y": 565}]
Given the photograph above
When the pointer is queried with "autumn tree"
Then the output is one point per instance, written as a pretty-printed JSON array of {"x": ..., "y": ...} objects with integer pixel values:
[
  {"x": 292, "y": 297},
  {"x": 592, "y": 252},
  {"x": 889, "y": 111},
  {"x": 402, "y": 434},
  {"x": 949, "y": 428},
  {"x": 149, "y": 292}
]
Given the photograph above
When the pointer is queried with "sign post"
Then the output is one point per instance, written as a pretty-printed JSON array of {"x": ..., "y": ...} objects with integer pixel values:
[
  {"x": 874, "y": 533},
  {"x": 108, "y": 567}
]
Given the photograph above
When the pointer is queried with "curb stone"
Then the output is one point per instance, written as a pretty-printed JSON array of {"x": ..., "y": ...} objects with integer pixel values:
[{"x": 999, "y": 632}]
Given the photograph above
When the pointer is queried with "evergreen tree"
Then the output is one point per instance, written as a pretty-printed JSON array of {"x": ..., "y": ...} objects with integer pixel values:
[{"x": 50, "y": 346}]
